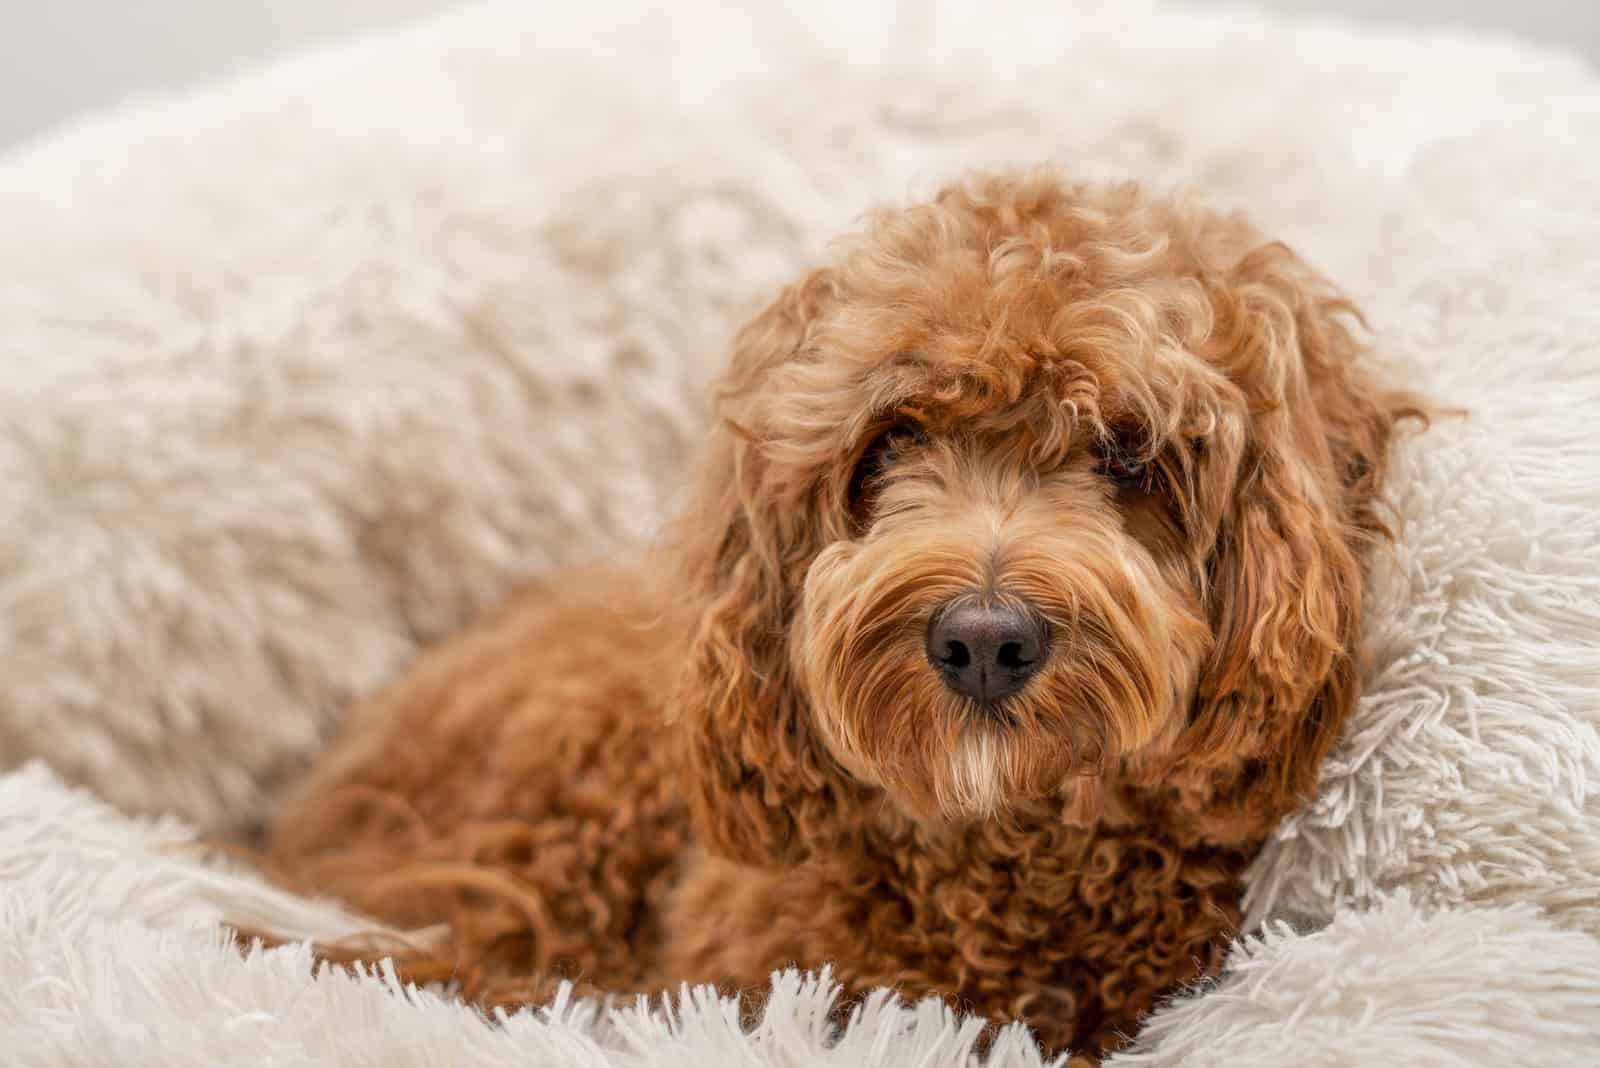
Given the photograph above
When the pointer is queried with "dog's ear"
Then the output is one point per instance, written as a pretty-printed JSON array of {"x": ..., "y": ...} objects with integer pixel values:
[
  {"x": 763, "y": 789},
  {"x": 1286, "y": 575}
]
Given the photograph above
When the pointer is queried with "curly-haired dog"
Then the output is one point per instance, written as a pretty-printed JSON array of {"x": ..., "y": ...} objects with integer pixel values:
[{"x": 1021, "y": 597}]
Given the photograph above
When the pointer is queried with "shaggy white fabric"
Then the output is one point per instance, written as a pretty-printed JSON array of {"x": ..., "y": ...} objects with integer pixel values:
[
  {"x": 110, "y": 953},
  {"x": 303, "y": 370},
  {"x": 1394, "y": 985}
]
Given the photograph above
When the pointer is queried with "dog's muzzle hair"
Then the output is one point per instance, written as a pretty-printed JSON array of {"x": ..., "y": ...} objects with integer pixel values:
[{"x": 992, "y": 632}]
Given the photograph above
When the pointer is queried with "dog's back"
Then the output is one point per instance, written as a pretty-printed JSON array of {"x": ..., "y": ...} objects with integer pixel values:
[{"x": 517, "y": 784}]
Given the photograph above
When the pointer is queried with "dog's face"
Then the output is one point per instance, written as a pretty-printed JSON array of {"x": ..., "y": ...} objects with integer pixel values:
[
  {"x": 1020, "y": 596},
  {"x": 1035, "y": 483}
]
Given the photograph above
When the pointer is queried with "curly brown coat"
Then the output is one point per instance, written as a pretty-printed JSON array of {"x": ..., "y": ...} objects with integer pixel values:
[{"x": 1122, "y": 417}]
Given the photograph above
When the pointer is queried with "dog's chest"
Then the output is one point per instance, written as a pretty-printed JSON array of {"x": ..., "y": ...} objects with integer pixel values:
[{"x": 1062, "y": 927}]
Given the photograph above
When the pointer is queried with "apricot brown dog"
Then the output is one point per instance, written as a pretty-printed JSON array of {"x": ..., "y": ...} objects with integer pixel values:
[{"x": 1020, "y": 598}]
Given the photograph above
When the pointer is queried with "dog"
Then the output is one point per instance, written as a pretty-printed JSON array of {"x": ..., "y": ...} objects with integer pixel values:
[{"x": 1020, "y": 598}]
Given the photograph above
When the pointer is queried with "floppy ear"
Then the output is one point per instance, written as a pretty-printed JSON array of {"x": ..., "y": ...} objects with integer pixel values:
[
  {"x": 763, "y": 790},
  {"x": 1287, "y": 571}
]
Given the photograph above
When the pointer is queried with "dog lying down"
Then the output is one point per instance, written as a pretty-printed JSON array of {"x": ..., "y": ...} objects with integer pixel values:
[{"x": 1021, "y": 596}]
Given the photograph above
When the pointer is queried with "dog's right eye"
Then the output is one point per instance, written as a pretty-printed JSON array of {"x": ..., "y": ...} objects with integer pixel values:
[{"x": 875, "y": 461}]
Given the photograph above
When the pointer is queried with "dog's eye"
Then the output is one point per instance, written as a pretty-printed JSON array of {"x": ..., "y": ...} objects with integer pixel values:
[
  {"x": 1122, "y": 463},
  {"x": 880, "y": 454}
]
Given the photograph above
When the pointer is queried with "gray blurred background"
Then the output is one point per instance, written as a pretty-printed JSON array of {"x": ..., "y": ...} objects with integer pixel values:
[{"x": 60, "y": 58}]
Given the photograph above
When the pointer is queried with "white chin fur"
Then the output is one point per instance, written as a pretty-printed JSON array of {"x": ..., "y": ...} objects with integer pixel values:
[{"x": 974, "y": 788}]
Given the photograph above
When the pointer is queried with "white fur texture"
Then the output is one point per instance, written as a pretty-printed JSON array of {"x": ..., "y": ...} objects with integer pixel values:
[
  {"x": 302, "y": 370},
  {"x": 109, "y": 948},
  {"x": 975, "y": 775},
  {"x": 1395, "y": 985}
]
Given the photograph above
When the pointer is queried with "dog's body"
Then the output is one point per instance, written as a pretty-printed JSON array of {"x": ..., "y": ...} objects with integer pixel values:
[
  {"x": 544, "y": 814},
  {"x": 1020, "y": 600}
]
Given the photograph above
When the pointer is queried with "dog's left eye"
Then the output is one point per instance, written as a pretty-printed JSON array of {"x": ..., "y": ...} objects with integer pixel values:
[
  {"x": 1122, "y": 464},
  {"x": 876, "y": 459}
]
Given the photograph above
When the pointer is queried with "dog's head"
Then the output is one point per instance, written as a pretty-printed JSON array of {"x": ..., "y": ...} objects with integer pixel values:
[{"x": 1036, "y": 486}]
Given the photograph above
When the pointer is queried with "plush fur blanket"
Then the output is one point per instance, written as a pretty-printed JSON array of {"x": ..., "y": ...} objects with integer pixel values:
[
  {"x": 303, "y": 370},
  {"x": 111, "y": 953}
]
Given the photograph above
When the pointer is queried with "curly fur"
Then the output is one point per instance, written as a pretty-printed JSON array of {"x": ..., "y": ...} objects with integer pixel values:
[{"x": 738, "y": 757}]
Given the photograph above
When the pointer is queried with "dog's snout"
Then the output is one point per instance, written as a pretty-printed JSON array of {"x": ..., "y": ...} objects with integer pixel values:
[{"x": 986, "y": 652}]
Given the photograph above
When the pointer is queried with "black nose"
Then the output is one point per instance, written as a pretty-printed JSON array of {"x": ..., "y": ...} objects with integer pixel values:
[{"x": 986, "y": 652}]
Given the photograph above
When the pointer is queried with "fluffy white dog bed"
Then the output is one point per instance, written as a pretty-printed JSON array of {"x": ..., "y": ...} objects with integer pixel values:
[{"x": 301, "y": 371}]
